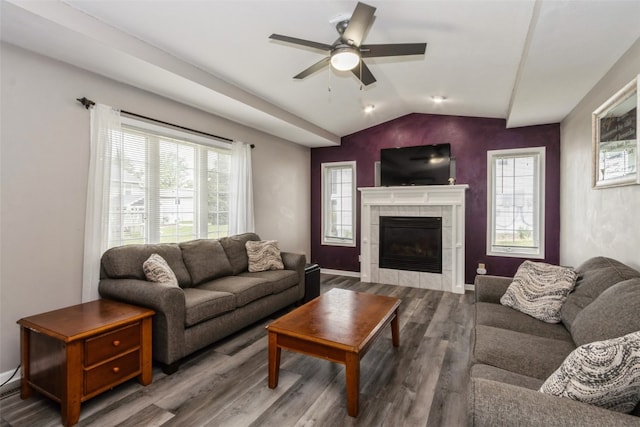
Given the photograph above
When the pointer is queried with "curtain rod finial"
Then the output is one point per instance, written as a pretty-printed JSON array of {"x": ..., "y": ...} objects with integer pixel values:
[{"x": 87, "y": 103}]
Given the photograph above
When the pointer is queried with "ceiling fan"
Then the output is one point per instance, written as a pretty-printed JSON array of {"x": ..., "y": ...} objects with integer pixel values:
[{"x": 347, "y": 52}]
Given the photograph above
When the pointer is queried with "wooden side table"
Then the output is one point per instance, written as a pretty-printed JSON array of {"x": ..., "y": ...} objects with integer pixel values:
[{"x": 75, "y": 353}]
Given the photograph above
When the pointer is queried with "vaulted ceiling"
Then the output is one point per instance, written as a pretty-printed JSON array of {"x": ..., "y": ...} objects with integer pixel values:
[{"x": 527, "y": 61}]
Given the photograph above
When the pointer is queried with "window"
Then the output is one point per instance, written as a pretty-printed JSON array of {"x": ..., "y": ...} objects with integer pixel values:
[
  {"x": 515, "y": 206},
  {"x": 167, "y": 186},
  {"x": 338, "y": 203}
]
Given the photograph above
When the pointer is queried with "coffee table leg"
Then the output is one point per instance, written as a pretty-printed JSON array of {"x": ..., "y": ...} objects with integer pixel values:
[
  {"x": 352, "y": 368},
  {"x": 395, "y": 330},
  {"x": 274, "y": 360}
]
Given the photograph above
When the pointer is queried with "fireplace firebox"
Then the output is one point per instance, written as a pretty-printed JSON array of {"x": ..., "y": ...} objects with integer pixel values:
[{"x": 411, "y": 243}]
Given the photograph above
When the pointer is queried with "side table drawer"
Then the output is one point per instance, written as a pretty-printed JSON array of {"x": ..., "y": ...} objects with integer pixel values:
[
  {"x": 111, "y": 344},
  {"x": 111, "y": 373}
]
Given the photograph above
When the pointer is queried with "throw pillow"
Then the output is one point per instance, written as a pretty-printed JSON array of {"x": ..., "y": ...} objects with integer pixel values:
[
  {"x": 157, "y": 270},
  {"x": 264, "y": 255},
  {"x": 539, "y": 290},
  {"x": 601, "y": 373}
]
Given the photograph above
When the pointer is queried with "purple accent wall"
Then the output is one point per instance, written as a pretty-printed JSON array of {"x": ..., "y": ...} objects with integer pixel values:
[{"x": 470, "y": 139}]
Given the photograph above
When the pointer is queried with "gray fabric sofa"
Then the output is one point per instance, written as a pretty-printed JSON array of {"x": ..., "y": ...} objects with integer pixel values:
[
  {"x": 216, "y": 297},
  {"x": 514, "y": 353}
]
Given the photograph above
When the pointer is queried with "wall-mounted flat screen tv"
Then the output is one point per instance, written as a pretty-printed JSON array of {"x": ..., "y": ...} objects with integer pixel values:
[{"x": 418, "y": 165}]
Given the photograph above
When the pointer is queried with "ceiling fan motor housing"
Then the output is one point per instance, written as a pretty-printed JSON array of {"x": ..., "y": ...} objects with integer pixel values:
[{"x": 341, "y": 26}]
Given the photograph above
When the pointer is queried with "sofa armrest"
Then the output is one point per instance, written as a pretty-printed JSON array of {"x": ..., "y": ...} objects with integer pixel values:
[
  {"x": 169, "y": 304},
  {"x": 491, "y": 288},
  {"x": 493, "y": 403},
  {"x": 296, "y": 262}
]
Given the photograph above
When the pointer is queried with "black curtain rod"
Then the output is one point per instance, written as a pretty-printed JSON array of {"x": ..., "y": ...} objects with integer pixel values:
[{"x": 87, "y": 103}]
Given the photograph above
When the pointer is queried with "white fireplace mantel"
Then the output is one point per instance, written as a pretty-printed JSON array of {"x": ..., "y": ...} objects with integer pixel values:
[{"x": 416, "y": 201}]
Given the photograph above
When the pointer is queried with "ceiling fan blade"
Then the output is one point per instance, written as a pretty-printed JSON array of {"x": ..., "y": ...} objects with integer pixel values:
[
  {"x": 367, "y": 76},
  {"x": 315, "y": 67},
  {"x": 400, "y": 49},
  {"x": 358, "y": 24},
  {"x": 302, "y": 42}
]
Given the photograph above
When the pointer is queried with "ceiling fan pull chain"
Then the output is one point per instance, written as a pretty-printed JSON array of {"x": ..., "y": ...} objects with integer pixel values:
[{"x": 360, "y": 74}]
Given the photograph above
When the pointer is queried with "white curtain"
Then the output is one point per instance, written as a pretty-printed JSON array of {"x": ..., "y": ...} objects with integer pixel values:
[
  {"x": 241, "y": 190},
  {"x": 105, "y": 127}
]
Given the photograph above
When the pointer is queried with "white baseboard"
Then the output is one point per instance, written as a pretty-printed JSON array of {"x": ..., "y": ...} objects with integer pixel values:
[
  {"x": 340, "y": 272},
  {"x": 467, "y": 287},
  {"x": 14, "y": 382}
]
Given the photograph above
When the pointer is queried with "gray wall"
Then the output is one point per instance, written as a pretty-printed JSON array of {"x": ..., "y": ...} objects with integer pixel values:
[
  {"x": 43, "y": 182},
  {"x": 603, "y": 221}
]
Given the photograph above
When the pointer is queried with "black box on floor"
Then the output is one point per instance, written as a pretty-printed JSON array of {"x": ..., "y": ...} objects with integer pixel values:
[{"x": 311, "y": 282}]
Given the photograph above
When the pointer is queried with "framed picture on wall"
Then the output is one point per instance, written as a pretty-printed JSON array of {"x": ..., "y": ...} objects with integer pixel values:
[{"x": 615, "y": 139}]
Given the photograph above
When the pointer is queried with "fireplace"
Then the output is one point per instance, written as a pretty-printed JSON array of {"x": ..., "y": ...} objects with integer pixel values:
[{"x": 411, "y": 243}]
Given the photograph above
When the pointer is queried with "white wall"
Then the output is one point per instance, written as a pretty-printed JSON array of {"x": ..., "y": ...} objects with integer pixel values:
[
  {"x": 604, "y": 221},
  {"x": 43, "y": 174}
]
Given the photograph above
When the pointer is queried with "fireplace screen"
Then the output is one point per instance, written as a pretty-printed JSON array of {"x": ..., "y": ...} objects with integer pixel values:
[{"x": 411, "y": 243}]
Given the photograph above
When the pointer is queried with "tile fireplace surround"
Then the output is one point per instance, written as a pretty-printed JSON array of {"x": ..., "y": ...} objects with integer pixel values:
[{"x": 446, "y": 201}]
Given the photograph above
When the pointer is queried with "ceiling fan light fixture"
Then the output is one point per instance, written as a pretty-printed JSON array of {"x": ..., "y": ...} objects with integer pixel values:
[{"x": 345, "y": 58}]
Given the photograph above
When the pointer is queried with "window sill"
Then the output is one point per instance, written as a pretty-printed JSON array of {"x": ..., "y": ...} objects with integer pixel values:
[
  {"x": 344, "y": 244},
  {"x": 513, "y": 254}
]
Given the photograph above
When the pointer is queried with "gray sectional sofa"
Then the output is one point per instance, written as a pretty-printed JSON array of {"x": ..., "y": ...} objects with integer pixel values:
[
  {"x": 514, "y": 353},
  {"x": 216, "y": 296}
]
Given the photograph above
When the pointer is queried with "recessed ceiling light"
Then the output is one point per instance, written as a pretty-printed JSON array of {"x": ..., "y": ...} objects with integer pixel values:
[
  {"x": 369, "y": 108},
  {"x": 438, "y": 99}
]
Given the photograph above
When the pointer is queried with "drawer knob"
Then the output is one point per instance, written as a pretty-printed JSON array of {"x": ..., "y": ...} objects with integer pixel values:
[
  {"x": 116, "y": 370},
  {"x": 116, "y": 343}
]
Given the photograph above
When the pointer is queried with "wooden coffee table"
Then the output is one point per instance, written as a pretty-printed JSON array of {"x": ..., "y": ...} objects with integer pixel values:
[{"x": 339, "y": 326}]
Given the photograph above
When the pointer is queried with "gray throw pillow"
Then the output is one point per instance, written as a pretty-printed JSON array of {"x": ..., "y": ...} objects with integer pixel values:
[
  {"x": 616, "y": 312},
  {"x": 539, "y": 290},
  {"x": 157, "y": 270},
  {"x": 264, "y": 255},
  {"x": 602, "y": 373}
]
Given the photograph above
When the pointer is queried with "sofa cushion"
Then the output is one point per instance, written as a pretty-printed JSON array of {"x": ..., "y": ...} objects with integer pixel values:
[
  {"x": 156, "y": 269},
  {"x": 616, "y": 312},
  {"x": 125, "y": 262},
  {"x": 539, "y": 290},
  {"x": 518, "y": 352},
  {"x": 594, "y": 277},
  {"x": 280, "y": 280},
  {"x": 201, "y": 305},
  {"x": 500, "y": 316},
  {"x": 264, "y": 255},
  {"x": 205, "y": 259},
  {"x": 503, "y": 376},
  {"x": 245, "y": 289},
  {"x": 236, "y": 250},
  {"x": 602, "y": 373}
]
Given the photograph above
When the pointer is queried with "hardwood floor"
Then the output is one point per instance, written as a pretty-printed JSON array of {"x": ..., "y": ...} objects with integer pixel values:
[{"x": 421, "y": 383}]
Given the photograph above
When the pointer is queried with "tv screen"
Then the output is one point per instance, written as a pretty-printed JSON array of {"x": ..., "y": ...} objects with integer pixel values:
[{"x": 419, "y": 165}]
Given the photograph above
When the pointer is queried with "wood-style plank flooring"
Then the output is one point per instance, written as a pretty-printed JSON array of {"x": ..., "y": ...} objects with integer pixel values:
[{"x": 421, "y": 383}]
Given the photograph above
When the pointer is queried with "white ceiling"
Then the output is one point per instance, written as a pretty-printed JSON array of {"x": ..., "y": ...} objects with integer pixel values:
[{"x": 529, "y": 62}]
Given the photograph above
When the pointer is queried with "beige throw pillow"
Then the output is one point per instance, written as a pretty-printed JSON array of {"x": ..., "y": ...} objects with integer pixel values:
[
  {"x": 601, "y": 373},
  {"x": 539, "y": 290},
  {"x": 264, "y": 255},
  {"x": 157, "y": 270}
]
